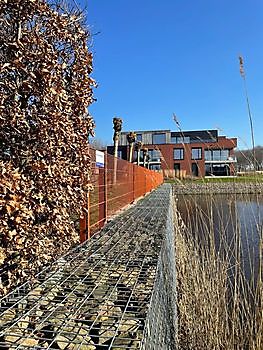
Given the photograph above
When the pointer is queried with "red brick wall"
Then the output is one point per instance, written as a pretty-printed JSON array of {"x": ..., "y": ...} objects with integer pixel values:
[{"x": 186, "y": 163}]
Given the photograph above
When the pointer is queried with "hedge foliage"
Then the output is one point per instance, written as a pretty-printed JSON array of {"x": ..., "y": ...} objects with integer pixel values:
[{"x": 45, "y": 89}]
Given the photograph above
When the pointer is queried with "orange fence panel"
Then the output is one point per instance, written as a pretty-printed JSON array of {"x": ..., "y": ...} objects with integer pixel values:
[{"x": 115, "y": 185}]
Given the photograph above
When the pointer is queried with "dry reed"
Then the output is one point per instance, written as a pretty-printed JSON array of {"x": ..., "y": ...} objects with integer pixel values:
[{"x": 220, "y": 304}]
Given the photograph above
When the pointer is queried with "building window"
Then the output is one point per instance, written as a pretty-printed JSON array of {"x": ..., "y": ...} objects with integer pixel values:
[
  {"x": 119, "y": 154},
  {"x": 178, "y": 153},
  {"x": 224, "y": 154},
  {"x": 176, "y": 166},
  {"x": 217, "y": 154},
  {"x": 195, "y": 170},
  {"x": 208, "y": 169},
  {"x": 208, "y": 154},
  {"x": 139, "y": 137},
  {"x": 158, "y": 138},
  {"x": 155, "y": 166},
  {"x": 180, "y": 139},
  {"x": 196, "y": 153},
  {"x": 141, "y": 155},
  {"x": 155, "y": 155},
  {"x": 217, "y": 169}
]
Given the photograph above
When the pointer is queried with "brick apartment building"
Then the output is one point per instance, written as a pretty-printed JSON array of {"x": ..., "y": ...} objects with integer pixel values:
[{"x": 198, "y": 153}]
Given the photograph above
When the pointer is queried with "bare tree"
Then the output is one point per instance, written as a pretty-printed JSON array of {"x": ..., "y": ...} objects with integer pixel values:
[
  {"x": 145, "y": 156},
  {"x": 131, "y": 138},
  {"x": 98, "y": 144},
  {"x": 247, "y": 159},
  {"x": 138, "y": 147},
  {"x": 117, "y": 125}
]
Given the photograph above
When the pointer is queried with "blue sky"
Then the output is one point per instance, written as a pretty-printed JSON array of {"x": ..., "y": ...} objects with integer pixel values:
[{"x": 153, "y": 58}]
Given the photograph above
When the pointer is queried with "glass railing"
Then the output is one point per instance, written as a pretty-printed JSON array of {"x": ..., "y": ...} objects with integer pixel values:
[{"x": 221, "y": 159}]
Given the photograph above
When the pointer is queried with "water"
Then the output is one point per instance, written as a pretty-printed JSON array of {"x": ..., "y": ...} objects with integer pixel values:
[{"x": 235, "y": 219}]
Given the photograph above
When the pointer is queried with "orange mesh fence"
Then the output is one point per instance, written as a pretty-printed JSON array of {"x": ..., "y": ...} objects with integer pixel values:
[{"x": 115, "y": 185}]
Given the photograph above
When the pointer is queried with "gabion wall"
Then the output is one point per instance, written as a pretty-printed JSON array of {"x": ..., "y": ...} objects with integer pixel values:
[
  {"x": 160, "y": 330},
  {"x": 219, "y": 188},
  {"x": 115, "y": 291}
]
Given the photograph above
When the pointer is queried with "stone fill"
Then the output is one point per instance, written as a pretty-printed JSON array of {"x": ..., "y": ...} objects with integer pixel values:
[
  {"x": 99, "y": 294},
  {"x": 217, "y": 188}
]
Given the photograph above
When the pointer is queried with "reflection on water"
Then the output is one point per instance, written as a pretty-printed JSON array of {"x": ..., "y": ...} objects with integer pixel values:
[{"x": 235, "y": 219}]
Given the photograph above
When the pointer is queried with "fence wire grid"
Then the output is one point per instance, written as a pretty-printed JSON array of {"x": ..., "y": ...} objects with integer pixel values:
[
  {"x": 98, "y": 295},
  {"x": 115, "y": 185}
]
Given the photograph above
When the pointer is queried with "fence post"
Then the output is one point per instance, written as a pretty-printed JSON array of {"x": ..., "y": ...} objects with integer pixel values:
[
  {"x": 133, "y": 182},
  {"x": 84, "y": 222},
  {"x": 88, "y": 216},
  {"x": 145, "y": 182},
  {"x": 115, "y": 167},
  {"x": 102, "y": 204},
  {"x": 82, "y": 229},
  {"x": 105, "y": 185}
]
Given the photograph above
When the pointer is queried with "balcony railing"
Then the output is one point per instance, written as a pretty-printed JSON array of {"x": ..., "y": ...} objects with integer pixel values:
[{"x": 221, "y": 160}]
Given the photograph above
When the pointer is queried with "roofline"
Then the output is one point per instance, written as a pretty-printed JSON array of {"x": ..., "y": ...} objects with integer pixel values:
[
  {"x": 144, "y": 131},
  {"x": 169, "y": 130}
]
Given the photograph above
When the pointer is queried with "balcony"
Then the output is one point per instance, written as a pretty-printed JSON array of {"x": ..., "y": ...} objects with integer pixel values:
[{"x": 217, "y": 160}]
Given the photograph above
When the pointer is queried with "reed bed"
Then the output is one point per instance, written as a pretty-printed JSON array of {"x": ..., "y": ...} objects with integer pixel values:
[{"x": 219, "y": 276}]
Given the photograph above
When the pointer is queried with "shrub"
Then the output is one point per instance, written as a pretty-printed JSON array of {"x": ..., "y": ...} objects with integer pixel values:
[{"x": 45, "y": 89}]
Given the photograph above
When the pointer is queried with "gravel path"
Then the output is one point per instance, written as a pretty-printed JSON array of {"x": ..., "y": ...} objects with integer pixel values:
[{"x": 97, "y": 296}]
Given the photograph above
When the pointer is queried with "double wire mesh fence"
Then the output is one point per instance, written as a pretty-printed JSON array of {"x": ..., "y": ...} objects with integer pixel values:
[{"x": 115, "y": 184}]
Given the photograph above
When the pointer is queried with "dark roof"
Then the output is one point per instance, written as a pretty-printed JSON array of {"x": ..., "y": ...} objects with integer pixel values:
[{"x": 197, "y": 134}]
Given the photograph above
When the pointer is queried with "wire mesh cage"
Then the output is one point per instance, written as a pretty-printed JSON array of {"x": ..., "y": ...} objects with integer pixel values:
[{"x": 98, "y": 295}]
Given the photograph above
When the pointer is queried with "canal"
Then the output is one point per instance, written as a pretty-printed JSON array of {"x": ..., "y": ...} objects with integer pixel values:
[{"x": 233, "y": 222}]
